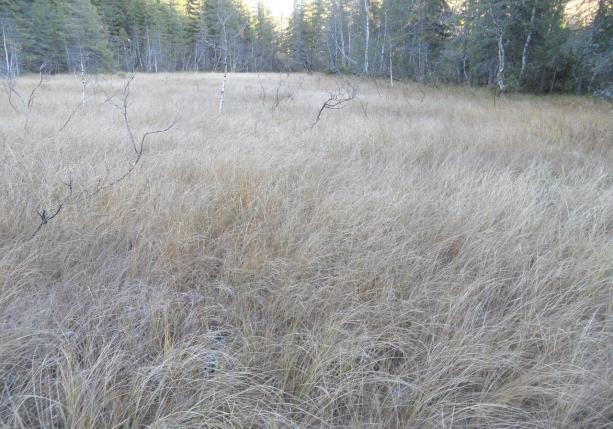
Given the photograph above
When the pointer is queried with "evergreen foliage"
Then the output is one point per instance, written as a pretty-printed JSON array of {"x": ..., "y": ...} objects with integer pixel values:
[{"x": 519, "y": 45}]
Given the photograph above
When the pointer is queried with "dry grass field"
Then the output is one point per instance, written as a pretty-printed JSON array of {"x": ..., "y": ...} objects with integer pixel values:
[{"x": 419, "y": 258}]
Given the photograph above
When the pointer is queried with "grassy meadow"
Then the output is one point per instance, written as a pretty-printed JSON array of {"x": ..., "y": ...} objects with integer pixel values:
[{"x": 422, "y": 257}]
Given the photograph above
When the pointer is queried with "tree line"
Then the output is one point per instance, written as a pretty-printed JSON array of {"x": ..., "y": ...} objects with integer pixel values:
[{"x": 514, "y": 45}]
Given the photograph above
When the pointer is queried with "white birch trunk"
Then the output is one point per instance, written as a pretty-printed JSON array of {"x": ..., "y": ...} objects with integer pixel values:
[
  {"x": 524, "y": 54},
  {"x": 6, "y": 55},
  {"x": 349, "y": 40},
  {"x": 83, "y": 81},
  {"x": 367, "y": 33},
  {"x": 148, "y": 46},
  {"x": 391, "y": 68},
  {"x": 501, "y": 61},
  {"x": 342, "y": 38},
  {"x": 225, "y": 69},
  {"x": 342, "y": 34},
  {"x": 382, "y": 60}
]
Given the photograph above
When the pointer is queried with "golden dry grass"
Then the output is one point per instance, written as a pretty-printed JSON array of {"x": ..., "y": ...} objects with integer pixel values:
[{"x": 443, "y": 262}]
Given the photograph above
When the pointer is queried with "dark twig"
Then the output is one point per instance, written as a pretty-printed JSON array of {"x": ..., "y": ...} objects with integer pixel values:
[
  {"x": 289, "y": 95},
  {"x": 39, "y": 85},
  {"x": 337, "y": 100},
  {"x": 10, "y": 90},
  {"x": 138, "y": 146},
  {"x": 263, "y": 97},
  {"x": 45, "y": 217},
  {"x": 139, "y": 153},
  {"x": 126, "y": 94},
  {"x": 110, "y": 97},
  {"x": 81, "y": 104},
  {"x": 75, "y": 110},
  {"x": 364, "y": 107}
]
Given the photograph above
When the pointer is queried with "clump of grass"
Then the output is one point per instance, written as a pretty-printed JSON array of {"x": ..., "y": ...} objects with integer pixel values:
[{"x": 436, "y": 262}]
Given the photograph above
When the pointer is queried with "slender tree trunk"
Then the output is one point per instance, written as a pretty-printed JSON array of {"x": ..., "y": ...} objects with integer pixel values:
[
  {"x": 419, "y": 61},
  {"x": 335, "y": 35},
  {"x": 148, "y": 68},
  {"x": 6, "y": 54},
  {"x": 83, "y": 81},
  {"x": 157, "y": 52},
  {"x": 349, "y": 41},
  {"x": 553, "y": 81},
  {"x": 501, "y": 54},
  {"x": 225, "y": 69},
  {"x": 344, "y": 55},
  {"x": 420, "y": 41},
  {"x": 126, "y": 57},
  {"x": 382, "y": 60},
  {"x": 366, "y": 33},
  {"x": 331, "y": 59},
  {"x": 391, "y": 68},
  {"x": 138, "y": 53},
  {"x": 524, "y": 54},
  {"x": 67, "y": 56},
  {"x": 501, "y": 64}
]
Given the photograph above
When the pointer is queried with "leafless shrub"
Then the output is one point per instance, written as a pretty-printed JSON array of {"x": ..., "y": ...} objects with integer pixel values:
[
  {"x": 39, "y": 85},
  {"x": 337, "y": 100},
  {"x": 45, "y": 216},
  {"x": 69, "y": 118},
  {"x": 10, "y": 90},
  {"x": 282, "y": 92},
  {"x": 10, "y": 86},
  {"x": 137, "y": 145},
  {"x": 262, "y": 89}
]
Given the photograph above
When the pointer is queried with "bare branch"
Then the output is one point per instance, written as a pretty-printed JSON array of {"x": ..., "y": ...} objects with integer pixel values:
[
  {"x": 263, "y": 97},
  {"x": 288, "y": 94},
  {"x": 45, "y": 217},
  {"x": 75, "y": 110},
  {"x": 139, "y": 148},
  {"x": 9, "y": 86},
  {"x": 126, "y": 94},
  {"x": 139, "y": 154},
  {"x": 337, "y": 100},
  {"x": 364, "y": 107},
  {"x": 38, "y": 85}
]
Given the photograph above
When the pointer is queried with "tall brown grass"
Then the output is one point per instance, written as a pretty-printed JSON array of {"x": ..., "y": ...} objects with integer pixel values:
[{"x": 420, "y": 258}]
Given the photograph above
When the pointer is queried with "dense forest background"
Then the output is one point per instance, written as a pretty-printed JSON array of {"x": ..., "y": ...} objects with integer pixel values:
[{"x": 518, "y": 45}]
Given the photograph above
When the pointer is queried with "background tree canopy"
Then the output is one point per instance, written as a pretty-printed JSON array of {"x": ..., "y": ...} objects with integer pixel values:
[{"x": 529, "y": 45}]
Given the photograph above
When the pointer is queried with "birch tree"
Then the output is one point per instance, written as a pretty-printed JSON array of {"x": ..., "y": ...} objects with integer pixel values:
[
  {"x": 223, "y": 19},
  {"x": 11, "y": 60},
  {"x": 524, "y": 55},
  {"x": 366, "y": 33}
]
